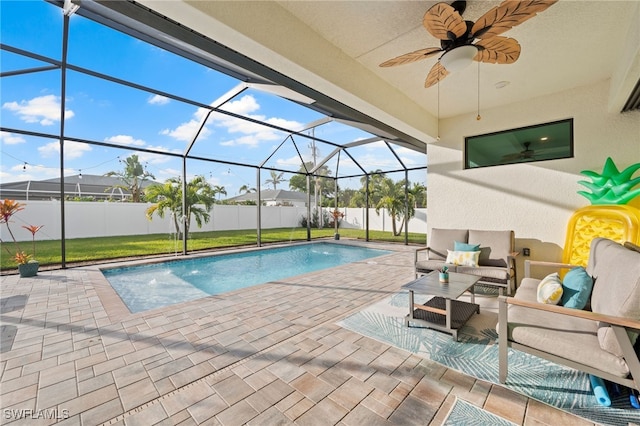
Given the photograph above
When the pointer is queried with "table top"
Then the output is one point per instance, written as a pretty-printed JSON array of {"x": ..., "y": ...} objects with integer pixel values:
[{"x": 430, "y": 284}]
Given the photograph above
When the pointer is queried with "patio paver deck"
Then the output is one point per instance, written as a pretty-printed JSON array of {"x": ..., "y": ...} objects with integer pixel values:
[{"x": 269, "y": 354}]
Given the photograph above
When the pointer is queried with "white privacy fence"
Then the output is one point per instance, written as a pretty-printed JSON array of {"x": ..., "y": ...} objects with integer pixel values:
[{"x": 99, "y": 219}]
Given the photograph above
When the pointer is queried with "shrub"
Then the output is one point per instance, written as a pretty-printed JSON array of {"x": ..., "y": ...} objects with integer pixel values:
[{"x": 327, "y": 220}]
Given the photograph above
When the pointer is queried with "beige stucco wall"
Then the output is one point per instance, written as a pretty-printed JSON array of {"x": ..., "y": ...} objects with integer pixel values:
[{"x": 536, "y": 200}]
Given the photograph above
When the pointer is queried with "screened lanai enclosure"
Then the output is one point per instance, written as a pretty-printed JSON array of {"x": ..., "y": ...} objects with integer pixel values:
[{"x": 119, "y": 122}]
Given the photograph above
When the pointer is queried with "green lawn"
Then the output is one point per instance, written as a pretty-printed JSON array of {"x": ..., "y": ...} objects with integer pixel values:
[{"x": 106, "y": 248}]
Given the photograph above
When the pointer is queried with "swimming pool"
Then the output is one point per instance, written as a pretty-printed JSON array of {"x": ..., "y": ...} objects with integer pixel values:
[{"x": 161, "y": 284}]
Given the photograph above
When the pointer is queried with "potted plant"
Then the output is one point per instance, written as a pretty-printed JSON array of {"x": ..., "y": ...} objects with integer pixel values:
[
  {"x": 27, "y": 266},
  {"x": 337, "y": 215},
  {"x": 443, "y": 274}
]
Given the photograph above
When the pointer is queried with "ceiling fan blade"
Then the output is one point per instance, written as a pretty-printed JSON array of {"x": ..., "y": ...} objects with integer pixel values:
[
  {"x": 411, "y": 57},
  {"x": 437, "y": 73},
  {"x": 498, "y": 50},
  {"x": 506, "y": 16},
  {"x": 519, "y": 156},
  {"x": 511, "y": 157},
  {"x": 444, "y": 22}
]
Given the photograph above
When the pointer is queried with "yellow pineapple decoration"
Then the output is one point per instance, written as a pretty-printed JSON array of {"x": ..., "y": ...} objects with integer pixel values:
[{"x": 609, "y": 216}]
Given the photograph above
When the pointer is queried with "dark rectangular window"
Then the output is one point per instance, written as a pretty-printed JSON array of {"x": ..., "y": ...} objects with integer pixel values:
[{"x": 540, "y": 142}]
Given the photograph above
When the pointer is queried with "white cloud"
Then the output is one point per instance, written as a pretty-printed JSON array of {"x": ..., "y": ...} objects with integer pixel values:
[
  {"x": 167, "y": 173},
  {"x": 347, "y": 164},
  {"x": 410, "y": 157},
  {"x": 236, "y": 125},
  {"x": 401, "y": 150},
  {"x": 376, "y": 145},
  {"x": 8, "y": 138},
  {"x": 71, "y": 149},
  {"x": 250, "y": 134},
  {"x": 125, "y": 140},
  {"x": 215, "y": 181},
  {"x": 200, "y": 114},
  {"x": 371, "y": 162},
  {"x": 186, "y": 131},
  {"x": 158, "y": 100},
  {"x": 242, "y": 106},
  {"x": 23, "y": 172},
  {"x": 252, "y": 140},
  {"x": 291, "y": 161},
  {"x": 411, "y": 161},
  {"x": 253, "y": 133},
  {"x": 42, "y": 109},
  {"x": 287, "y": 124},
  {"x": 147, "y": 157},
  {"x": 143, "y": 157}
]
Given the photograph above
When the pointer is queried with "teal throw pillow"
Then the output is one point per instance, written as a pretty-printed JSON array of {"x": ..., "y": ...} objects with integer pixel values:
[
  {"x": 458, "y": 246},
  {"x": 576, "y": 288}
]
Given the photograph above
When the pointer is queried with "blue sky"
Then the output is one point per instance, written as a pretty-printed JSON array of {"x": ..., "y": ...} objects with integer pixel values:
[{"x": 103, "y": 111}]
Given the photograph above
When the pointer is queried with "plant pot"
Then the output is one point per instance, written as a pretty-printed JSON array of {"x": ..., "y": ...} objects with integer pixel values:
[
  {"x": 29, "y": 269},
  {"x": 443, "y": 277},
  {"x": 336, "y": 236}
]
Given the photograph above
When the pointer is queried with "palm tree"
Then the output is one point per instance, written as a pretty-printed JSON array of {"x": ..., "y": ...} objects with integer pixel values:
[
  {"x": 244, "y": 189},
  {"x": 376, "y": 179},
  {"x": 276, "y": 178},
  {"x": 298, "y": 182},
  {"x": 392, "y": 199},
  {"x": 133, "y": 175},
  {"x": 358, "y": 198},
  {"x": 168, "y": 196},
  {"x": 219, "y": 189},
  {"x": 419, "y": 192}
]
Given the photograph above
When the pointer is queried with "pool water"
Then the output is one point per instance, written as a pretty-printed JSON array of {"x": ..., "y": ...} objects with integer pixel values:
[{"x": 161, "y": 284}]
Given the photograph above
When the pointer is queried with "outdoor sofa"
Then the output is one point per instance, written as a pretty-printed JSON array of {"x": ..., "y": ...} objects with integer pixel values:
[
  {"x": 494, "y": 253},
  {"x": 597, "y": 339}
]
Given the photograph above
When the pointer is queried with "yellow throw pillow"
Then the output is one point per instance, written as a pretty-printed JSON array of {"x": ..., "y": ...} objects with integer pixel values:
[
  {"x": 463, "y": 258},
  {"x": 550, "y": 289}
]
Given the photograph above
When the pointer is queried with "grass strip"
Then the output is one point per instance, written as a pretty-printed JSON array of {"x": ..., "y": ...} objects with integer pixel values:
[{"x": 48, "y": 252}]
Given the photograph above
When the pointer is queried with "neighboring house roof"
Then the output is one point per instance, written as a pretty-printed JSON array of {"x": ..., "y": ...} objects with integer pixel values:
[
  {"x": 99, "y": 187},
  {"x": 277, "y": 195}
]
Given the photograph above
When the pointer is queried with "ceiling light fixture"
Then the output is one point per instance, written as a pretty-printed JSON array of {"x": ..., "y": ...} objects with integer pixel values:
[{"x": 456, "y": 59}]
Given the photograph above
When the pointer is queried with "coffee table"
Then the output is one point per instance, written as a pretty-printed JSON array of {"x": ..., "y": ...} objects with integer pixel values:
[{"x": 442, "y": 312}]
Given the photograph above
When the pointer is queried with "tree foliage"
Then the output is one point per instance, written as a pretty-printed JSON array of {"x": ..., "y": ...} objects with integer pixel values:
[
  {"x": 400, "y": 205},
  {"x": 326, "y": 186},
  {"x": 133, "y": 175},
  {"x": 275, "y": 179},
  {"x": 245, "y": 189},
  {"x": 384, "y": 193},
  {"x": 167, "y": 197}
]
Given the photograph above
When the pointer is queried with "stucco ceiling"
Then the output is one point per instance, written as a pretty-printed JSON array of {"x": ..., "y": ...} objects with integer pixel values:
[
  {"x": 336, "y": 47},
  {"x": 571, "y": 44}
]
